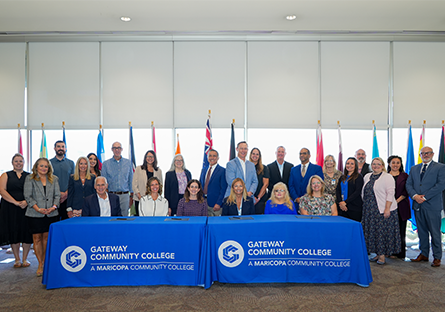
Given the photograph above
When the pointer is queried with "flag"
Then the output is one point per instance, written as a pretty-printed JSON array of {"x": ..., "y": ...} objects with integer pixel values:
[
  {"x": 320, "y": 153},
  {"x": 131, "y": 150},
  {"x": 153, "y": 138},
  {"x": 178, "y": 148},
  {"x": 208, "y": 144},
  {"x": 100, "y": 151},
  {"x": 441, "y": 158},
  {"x": 20, "y": 145},
  {"x": 43, "y": 147},
  {"x": 340, "y": 150},
  {"x": 422, "y": 143},
  {"x": 232, "y": 142},
  {"x": 409, "y": 163},
  {"x": 64, "y": 138},
  {"x": 375, "y": 146}
]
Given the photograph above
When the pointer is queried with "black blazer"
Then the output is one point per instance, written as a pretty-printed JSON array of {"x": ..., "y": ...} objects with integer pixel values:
[
  {"x": 77, "y": 193},
  {"x": 275, "y": 175},
  {"x": 91, "y": 206},
  {"x": 366, "y": 169},
  {"x": 354, "y": 201},
  {"x": 171, "y": 192},
  {"x": 232, "y": 210}
]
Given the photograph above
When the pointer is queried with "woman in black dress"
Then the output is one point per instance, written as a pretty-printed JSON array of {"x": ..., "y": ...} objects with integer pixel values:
[{"x": 13, "y": 223}]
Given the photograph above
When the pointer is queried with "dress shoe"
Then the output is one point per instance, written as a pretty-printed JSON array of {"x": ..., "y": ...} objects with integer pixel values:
[
  {"x": 435, "y": 263},
  {"x": 419, "y": 258}
]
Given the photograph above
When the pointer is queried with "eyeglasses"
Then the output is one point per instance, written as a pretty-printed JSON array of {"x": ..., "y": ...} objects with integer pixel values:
[
  {"x": 116, "y": 148},
  {"x": 426, "y": 153},
  {"x": 150, "y": 157},
  {"x": 178, "y": 160},
  {"x": 279, "y": 191}
]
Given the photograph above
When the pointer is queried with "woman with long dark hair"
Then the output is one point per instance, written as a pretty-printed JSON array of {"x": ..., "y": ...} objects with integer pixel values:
[
  {"x": 262, "y": 173},
  {"x": 193, "y": 203},
  {"x": 349, "y": 192},
  {"x": 395, "y": 168},
  {"x": 142, "y": 174},
  {"x": 94, "y": 164}
]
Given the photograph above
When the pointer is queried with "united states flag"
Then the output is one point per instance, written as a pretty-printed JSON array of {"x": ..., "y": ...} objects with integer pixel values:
[{"x": 208, "y": 143}]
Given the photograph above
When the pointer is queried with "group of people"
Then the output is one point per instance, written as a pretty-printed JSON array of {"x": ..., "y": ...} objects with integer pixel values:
[{"x": 371, "y": 194}]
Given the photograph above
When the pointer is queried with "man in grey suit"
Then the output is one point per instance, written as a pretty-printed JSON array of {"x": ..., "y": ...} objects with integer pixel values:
[{"x": 425, "y": 184}]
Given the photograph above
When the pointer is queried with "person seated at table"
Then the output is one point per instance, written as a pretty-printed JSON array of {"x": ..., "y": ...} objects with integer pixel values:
[
  {"x": 280, "y": 202},
  {"x": 316, "y": 201},
  {"x": 193, "y": 203},
  {"x": 80, "y": 186},
  {"x": 102, "y": 204},
  {"x": 237, "y": 203},
  {"x": 153, "y": 204}
]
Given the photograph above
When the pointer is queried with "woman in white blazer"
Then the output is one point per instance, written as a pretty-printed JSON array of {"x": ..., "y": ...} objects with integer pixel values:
[
  {"x": 380, "y": 219},
  {"x": 141, "y": 175},
  {"x": 42, "y": 193},
  {"x": 153, "y": 204}
]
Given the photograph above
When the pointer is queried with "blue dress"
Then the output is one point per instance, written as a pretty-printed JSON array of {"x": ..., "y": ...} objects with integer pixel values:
[
  {"x": 382, "y": 234},
  {"x": 278, "y": 208}
]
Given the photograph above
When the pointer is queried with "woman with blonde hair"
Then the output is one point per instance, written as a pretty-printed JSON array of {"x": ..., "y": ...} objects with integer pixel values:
[
  {"x": 42, "y": 193},
  {"x": 280, "y": 202},
  {"x": 331, "y": 175},
  {"x": 80, "y": 185},
  {"x": 237, "y": 203},
  {"x": 176, "y": 180},
  {"x": 316, "y": 201}
]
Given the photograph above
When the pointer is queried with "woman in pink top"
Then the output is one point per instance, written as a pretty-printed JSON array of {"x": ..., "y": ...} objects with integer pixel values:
[{"x": 380, "y": 220}]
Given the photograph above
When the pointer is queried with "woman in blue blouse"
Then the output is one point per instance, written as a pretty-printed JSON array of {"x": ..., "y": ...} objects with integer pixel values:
[
  {"x": 237, "y": 203},
  {"x": 349, "y": 192},
  {"x": 280, "y": 202},
  {"x": 80, "y": 185}
]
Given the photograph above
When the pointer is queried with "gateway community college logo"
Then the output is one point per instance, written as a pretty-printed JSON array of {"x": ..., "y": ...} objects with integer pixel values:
[
  {"x": 230, "y": 253},
  {"x": 73, "y": 259}
]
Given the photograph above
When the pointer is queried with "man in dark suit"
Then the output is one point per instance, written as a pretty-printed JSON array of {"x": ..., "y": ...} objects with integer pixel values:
[
  {"x": 300, "y": 175},
  {"x": 279, "y": 170},
  {"x": 214, "y": 185},
  {"x": 425, "y": 184},
  {"x": 363, "y": 167},
  {"x": 102, "y": 204}
]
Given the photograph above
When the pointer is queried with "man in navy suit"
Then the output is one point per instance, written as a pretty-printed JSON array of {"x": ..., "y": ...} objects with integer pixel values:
[
  {"x": 214, "y": 185},
  {"x": 102, "y": 204},
  {"x": 425, "y": 184},
  {"x": 300, "y": 175},
  {"x": 240, "y": 167}
]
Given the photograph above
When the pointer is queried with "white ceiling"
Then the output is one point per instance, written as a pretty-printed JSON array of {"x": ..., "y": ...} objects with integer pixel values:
[{"x": 211, "y": 16}]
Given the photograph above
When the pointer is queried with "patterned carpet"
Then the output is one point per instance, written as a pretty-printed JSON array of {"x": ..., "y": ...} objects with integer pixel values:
[{"x": 397, "y": 286}]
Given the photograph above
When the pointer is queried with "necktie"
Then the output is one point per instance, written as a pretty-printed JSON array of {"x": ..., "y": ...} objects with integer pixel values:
[
  {"x": 423, "y": 171},
  {"x": 303, "y": 171},
  {"x": 206, "y": 185}
]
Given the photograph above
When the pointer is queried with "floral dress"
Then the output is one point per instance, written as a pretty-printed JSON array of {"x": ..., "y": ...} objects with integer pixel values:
[
  {"x": 320, "y": 206},
  {"x": 382, "y": 235}
]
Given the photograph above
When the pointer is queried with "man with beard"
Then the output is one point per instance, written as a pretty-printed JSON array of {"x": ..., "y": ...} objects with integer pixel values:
[
  {"x": 363, "y": 167},
  {"x": 63, "y": 168}
]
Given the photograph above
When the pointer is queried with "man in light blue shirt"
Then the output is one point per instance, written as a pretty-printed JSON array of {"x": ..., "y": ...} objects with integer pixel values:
[
  {"x": 119, "y": 173},
  {"x": 63, "y": 168}
]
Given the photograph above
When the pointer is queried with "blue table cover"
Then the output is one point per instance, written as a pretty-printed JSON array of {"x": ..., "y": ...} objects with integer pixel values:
[
  {"x": 102, "y": 251},
  {"x": 285, "y": 248}
]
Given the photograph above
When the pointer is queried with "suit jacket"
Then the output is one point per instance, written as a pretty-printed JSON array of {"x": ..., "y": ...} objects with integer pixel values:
[
  {"x": 432, "y": 185},
  {"x": 298, "y": 184},
  {"x": 354, "y": 201},
  {"x": 275, "y": 176},
  {"x": 404, "y": 205},
  {"x": 36, "y": 195},
  {"x": 232, "y": 210},
  {"x": 234, "y": 170},
  {"x": 365, "y": 169},
  {"x": 217, "y": 185},
  {"x": 77, "y": 192},
  {"x": 171, "y": 192},
  {"x": 91, "y": 206}
]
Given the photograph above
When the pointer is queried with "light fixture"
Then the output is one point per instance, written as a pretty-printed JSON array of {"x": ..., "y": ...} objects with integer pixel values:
[
  {"x": 291, "y": 17},
  {"x": 125, "y": 18}
]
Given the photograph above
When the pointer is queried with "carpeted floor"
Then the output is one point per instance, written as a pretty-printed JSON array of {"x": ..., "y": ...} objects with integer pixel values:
[{"x": 397, "y": 286}]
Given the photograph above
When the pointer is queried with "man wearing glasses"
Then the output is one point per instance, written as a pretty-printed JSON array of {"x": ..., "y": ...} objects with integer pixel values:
[
  {"x": 425, "y": 184},
  {"x": 119, "y": 173}
]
